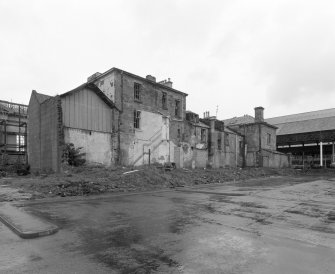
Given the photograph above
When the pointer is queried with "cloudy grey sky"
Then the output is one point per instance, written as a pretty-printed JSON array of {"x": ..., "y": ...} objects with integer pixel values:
[{"x": 234, "y": 54}]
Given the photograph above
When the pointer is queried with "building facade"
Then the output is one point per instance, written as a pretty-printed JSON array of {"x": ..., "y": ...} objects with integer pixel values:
[
  {"x": 259, "y": 140},
  {"x": 224, "y": 144},
  {"x": 152, "y": 114},
  {"x": 120, "y": 118}
]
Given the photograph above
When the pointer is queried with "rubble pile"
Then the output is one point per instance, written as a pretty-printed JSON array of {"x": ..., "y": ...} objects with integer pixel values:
[{"x": 86, "y": 180}]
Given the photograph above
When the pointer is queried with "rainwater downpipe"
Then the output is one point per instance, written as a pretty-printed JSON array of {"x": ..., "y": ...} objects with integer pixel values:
[
  {"x": 119, "y": 121},
  {"x": 260, "y": 159},
  {"x": 235, "y": 150}
]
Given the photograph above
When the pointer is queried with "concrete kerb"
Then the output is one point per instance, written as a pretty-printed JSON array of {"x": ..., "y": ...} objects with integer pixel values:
[
  {"x": 23, "y": 224},
  {"x": 14, "y": 218}
]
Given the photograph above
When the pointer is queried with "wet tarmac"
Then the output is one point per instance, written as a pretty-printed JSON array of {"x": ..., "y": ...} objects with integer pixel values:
[{"x": 243, "y": 228}]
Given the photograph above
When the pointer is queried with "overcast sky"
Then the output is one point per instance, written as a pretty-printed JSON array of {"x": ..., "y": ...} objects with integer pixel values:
[{"x": 235, "y": 54}]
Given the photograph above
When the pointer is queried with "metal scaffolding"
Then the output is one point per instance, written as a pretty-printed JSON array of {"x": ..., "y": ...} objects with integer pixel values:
[{"x": 13, "y": 133}]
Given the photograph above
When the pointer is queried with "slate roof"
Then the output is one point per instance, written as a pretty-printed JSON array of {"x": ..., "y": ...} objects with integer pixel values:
[
  {"x": 246, "y": 119},
  {"x": 304, "y": 122},
  {"x": 302, "y": 116},
  {"x": 138, "y": 77}
]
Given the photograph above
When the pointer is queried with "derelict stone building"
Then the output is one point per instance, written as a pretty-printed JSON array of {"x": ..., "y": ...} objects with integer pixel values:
[
  {"x": 259, "y": 140},
  {"x": 152, "y": 114}
]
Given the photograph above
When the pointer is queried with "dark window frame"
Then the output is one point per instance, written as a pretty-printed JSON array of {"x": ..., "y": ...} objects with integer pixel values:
[
  {"x": 137, "y": 119},
  {"x": 268, "y": 139},
  {"x": 137, "y": 91},
  {"x": 219, "y": 144},
  {"x": 203, "y": 135}
]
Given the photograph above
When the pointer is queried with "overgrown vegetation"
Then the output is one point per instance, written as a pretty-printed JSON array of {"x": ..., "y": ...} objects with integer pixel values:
[{"x": 73, "y": 156}]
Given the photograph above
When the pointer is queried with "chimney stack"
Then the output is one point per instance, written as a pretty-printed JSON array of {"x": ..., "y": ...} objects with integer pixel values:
[
  {"x": 151, "y": 78},
  {"x": 259, "y": 114},
  {"x": 167, "y": 83}
]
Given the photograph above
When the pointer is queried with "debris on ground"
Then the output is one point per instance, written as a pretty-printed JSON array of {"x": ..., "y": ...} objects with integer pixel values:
[{"x": 88, "y": 180}]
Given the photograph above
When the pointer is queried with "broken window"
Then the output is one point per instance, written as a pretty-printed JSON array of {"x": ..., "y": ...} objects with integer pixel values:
[
  {"x": 203, "y": 135},
  {"x": 219, "y": 144},
  {"x": 137, "y": 90},
  {"x": 269, "y": 139},
  {"x": 178, "y": 133},
  {"x": 137, "y": 119},
  {"x": 19, "y": 142},
  {"x": 177, "y": 108},
  {"x": 164, "y": 100}
]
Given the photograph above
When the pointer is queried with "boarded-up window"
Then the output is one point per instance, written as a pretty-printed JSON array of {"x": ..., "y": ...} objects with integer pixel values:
[
  {"x": 137, "y": 91},
  {"x": 177, "y": 111},
  {"x": 164, "y": 100},
  {"x": 137, "y": 119},
  {"x": 226, "y": 139},
  {"x": 269, "y": 139}
]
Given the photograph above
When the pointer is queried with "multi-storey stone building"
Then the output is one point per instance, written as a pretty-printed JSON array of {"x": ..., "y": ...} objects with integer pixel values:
[{"x": 151, "y": 116}]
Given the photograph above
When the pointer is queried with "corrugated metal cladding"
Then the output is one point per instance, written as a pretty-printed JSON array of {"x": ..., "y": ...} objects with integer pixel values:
[{"x": 85, "y": 110}]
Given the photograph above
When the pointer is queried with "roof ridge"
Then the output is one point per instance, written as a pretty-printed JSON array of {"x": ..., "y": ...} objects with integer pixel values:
[
  {"x": 313, "y": 111},
  {"x": 295, "y": 121}
]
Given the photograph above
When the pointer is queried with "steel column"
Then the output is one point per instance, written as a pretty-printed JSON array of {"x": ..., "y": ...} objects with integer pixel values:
[{"x": 321, "y": 156}]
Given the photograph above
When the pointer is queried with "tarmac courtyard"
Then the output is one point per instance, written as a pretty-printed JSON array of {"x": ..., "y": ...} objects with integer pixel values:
[{"x": 268, "y": 225}]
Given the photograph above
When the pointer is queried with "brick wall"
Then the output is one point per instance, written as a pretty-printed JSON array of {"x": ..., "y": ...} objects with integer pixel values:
[
  {"x": 33, "y": 133},
  {"x": 45, "y": 134},
  {"x": 52, "y": 135}
]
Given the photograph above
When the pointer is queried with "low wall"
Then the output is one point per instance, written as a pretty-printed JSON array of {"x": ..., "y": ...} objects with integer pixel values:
[
  {"x": 188, "y": 157},
  {"x": 275, "y": 159}
]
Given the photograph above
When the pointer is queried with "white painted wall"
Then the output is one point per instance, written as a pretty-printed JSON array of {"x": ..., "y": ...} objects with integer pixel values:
[
  {"x": 154, "y": 135},
  {"x": 107, "y": 85},
  {"x": 96, "y": 145}
]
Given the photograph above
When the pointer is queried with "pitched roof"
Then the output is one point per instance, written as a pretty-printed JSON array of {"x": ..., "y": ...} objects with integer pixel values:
[
  {"x": 305, "y": 122},
  {"x": 246, "y": 119},
  {"x": 95, "y": 89},
  {"x": 302, "y": 116},
  {"x": 99, "y": 75},
  {"x": 304, "y": 126}
]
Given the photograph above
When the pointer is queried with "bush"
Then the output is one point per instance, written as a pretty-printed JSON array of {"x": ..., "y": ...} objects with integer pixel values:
[{"x": 72, "y": 155}]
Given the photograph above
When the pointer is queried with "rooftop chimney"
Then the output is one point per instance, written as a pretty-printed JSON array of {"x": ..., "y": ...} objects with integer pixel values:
[
  {"x": 93, "y": 77},
  {"x": 259, "y": 114},
  {"x": 167, "y": 83},
  {"x": 151, "y": 78}
]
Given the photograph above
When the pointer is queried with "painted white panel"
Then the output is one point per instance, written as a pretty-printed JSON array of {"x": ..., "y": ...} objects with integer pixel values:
[{"x": 96, "y": 145}]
